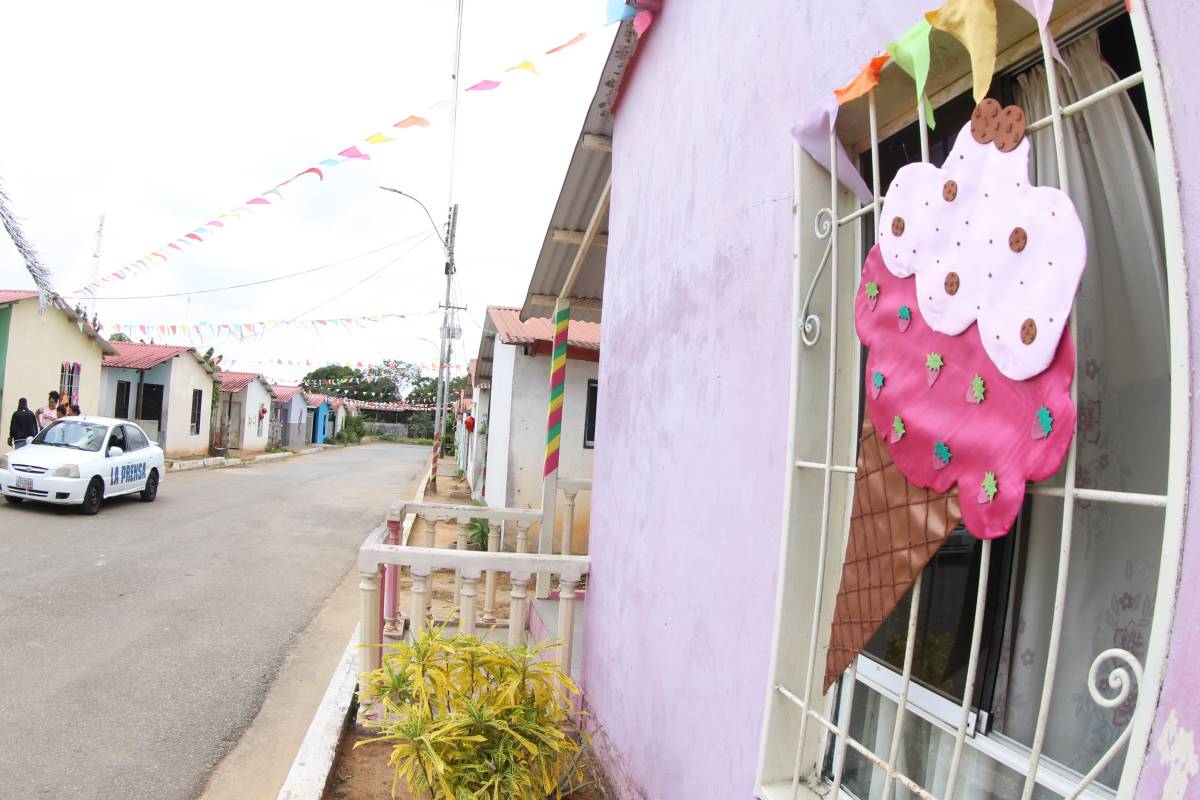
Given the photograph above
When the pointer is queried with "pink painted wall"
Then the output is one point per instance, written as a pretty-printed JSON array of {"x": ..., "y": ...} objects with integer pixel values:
[{"x": 689, "y": 488}]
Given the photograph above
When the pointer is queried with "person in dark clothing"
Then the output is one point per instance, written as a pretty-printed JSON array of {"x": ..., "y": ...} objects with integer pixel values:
[{"x": 22, "y": 425}]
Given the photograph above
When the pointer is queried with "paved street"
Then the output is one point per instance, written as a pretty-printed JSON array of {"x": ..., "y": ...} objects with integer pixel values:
[{"x": 135, "y": 645}]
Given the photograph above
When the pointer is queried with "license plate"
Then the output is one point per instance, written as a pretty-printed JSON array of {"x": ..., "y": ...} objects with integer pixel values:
[{"x": 24, "y": 483}]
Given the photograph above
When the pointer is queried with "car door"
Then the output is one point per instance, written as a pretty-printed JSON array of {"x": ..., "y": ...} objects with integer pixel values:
[
  {"x": 115, "y": 467},
  {"x": 137, "y": 466}
]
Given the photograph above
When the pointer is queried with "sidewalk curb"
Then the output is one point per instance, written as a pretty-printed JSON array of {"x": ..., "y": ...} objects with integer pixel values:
[
  {"x": 309, "y": 775},
  {"x": 218, "y": 462}
]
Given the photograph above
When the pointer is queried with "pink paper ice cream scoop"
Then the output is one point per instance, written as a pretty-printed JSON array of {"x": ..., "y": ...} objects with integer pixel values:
[
  {"x": 986, "y": 246},
  {"x": 949, "y": 415}
]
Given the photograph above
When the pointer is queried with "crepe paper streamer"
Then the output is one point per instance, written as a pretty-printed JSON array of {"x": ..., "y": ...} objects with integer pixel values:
[
  {"x": 576, "y": 39},
  {"x": 618, "y": 11},
  {"x": 641, "y": 22},
  {"x": 1040, "y": 9},
  {"x": 177, "y": 247},
  {"x": 258, "y": 201},
  {"x": 865, "y": 81},
  {"x": 483, "y": 86},
  {"x": 527, "y": 66},
  {"x": 990, "y": 437},
  {"x": 379, "y": 138},
  {"x": 813, "y": 133},
  {"x": 987, "y": 247},
  {"x": 977, "y": 390},
  {"x": 903, "y": 318},
  {"x": 987, "y": 491},
  {"x": 911, "y": 54},
  {"x": 409, "y": 122},
  {"x": 354, "y": 152},
  {"x": 558, "y": 382},
  {"x": 973, "y": 23}
]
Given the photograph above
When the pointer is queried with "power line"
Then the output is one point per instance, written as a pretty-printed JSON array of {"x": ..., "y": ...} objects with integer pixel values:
[{"x": 253, "y": 283}]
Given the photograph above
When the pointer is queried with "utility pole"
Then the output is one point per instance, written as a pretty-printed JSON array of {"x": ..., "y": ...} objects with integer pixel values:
[{"x": 448, "y": 331}]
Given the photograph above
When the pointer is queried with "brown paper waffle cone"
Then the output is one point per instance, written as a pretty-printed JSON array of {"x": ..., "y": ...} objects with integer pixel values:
[{"x": 895, "y": 528}]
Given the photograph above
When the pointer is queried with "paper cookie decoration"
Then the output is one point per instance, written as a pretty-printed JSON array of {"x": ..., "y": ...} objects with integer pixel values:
[
  {"x": 985, "y": 245},
  {"x": 969, "y": 426}
]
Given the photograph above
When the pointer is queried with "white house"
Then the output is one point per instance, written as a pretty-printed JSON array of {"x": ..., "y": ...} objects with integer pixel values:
[
  {"x": 289, "y": 417},
  {"x": 166, "y": 389},
  {"x": 510, "y": 429},
  {"x": 243, "y": 416}
]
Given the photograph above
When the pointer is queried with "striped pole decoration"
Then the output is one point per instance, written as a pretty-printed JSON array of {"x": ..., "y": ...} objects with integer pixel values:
[{"x": 558, "y": 385}]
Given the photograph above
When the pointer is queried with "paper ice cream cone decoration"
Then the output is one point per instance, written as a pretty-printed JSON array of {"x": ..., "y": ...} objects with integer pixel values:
[
  {"x": 890, "y": 516},
  {"x": 964, "y": 309}
]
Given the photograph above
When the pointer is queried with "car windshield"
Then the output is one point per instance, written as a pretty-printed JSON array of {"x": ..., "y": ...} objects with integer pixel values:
[{"x": 75, "y": 434}]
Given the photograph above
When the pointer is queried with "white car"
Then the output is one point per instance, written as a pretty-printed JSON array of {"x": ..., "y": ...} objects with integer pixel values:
[{"x": 82, "y": 460}]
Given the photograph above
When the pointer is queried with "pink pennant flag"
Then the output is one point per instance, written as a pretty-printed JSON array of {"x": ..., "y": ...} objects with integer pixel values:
[
  {"x": 177, "y": 247},
  {"x": 174, "y": 329},
  {"x": 641, "y": 22},
  {"x": 307, "y": 363},
  {"x": 258, "y": 201},
  {"x": 354, "y": 152},
  {"x": 483, "y": 86},
  {"x": 195, "y": 236},
  {"x": 216, "y": 223},
  {"x": 579, "y": 37},
  {"x": 314, "y": 171},
  {"x": 409, "y": 122},
  {"x": 142, "y": 261},
  {"x": 144, "y": 331}
]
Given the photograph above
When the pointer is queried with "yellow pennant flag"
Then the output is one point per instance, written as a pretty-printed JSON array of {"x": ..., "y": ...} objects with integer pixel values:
[
  {"x": 379, "y": 138},
  {"x": 972, "y": 22},
  {"x": 528, "y": 66}
]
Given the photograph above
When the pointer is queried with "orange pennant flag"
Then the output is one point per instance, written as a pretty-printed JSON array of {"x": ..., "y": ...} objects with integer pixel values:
[
  {"x": 408, "y": 122},
  {"x": 864, "y": 82}
]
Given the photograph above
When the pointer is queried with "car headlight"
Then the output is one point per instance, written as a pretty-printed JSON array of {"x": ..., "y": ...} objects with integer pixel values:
[
  {"x": 65, "y": 471},
  {"x": 4, "y": 463}
]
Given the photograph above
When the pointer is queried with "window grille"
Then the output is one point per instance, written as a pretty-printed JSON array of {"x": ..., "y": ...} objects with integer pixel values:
[{"x": 807, "y": 737}]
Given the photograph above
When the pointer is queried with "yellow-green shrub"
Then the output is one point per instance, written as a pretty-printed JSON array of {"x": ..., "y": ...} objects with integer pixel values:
[{"x": 474, "y": 719}]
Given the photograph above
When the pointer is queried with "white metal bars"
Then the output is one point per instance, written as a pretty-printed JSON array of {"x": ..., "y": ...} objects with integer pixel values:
[{"x": 1120, "y": 679}]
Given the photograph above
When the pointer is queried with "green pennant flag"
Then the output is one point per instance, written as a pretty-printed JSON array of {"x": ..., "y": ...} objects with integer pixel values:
[{"x": 911, "y": 54}]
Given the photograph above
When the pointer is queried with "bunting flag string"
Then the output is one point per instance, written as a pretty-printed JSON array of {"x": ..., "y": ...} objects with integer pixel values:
[
  {"x": 198, "y": 236},
  {"x": 242, "y": 329},
  {"x": 310, "y": 364}
]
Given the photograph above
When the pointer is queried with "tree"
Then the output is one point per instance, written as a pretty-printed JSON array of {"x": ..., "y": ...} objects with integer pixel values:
[
  {"x": 352, "y": 383},
  {"x": 119, "y": 337}
]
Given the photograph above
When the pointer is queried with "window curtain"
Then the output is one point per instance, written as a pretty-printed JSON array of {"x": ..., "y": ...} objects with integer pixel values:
[{"x": 1123, "y": 381}]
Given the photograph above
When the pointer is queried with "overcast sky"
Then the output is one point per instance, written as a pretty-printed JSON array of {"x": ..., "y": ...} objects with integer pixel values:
[{"x": 161, "y": 118}]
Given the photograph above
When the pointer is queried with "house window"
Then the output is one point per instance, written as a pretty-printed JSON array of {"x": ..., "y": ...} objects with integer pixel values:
[
  {"x": 994, "y": 675},
  {"x": 589, "y": 420},
  {"x": 197, "y": 407},
  {"x": 121, "y": 409},
  {"x": 68, "y": 380}
]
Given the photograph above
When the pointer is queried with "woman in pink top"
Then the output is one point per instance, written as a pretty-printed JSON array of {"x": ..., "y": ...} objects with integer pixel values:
[{"x": 47, "y": 414}]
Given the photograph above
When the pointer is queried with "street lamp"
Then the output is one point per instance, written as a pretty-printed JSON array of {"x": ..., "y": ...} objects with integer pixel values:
[{"x": 436, "y": 230}]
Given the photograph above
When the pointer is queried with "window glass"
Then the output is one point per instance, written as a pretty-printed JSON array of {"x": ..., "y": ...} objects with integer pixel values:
[
  {"x": 197, "y": 403},
  {"x": 72, "y": 433},
  {"x": 117, "y": 438},
  {"x": 121, "y": 410},
  {"x": 589, "y": 422},
  {"x": 134, "y": 438}
]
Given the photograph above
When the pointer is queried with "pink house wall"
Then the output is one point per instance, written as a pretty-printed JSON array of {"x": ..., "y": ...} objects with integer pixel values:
[{"x": 688, "y": 489}]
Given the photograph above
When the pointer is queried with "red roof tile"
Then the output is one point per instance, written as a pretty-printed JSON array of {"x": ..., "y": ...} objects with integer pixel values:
[
  {"x": 13, "y": 295},
  {"x": 511, "y": 330},
  {"x": 284, "y": 393},
  {"x": 236, "y": 381},
  {"x": 131, "y": 355}
]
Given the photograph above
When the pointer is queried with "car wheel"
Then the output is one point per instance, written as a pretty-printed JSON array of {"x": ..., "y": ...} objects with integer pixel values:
[
  {"x": 92, "y": 497},
  {"x": 151, "y": 491},
  {"x": 16, "y": 501}
]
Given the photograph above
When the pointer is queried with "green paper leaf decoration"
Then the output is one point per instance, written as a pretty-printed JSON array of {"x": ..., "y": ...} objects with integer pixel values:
[
  {"x": 942, "y": 451},
  {"x": 877, "y": 380},
  {"x": 989, "y": 485},
  {"x": 904, "y": 313},
  {"x": 934, "y": 361},
  {"x": 872, "y": 289},
  {"x": 978, "y": 389},
  {"x": 898, "y": 427},
  {"x": 1046, "y": 420}
]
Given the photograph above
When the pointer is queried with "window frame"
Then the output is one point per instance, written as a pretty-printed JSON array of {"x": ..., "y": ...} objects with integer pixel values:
[
  {"x": 197, "y": 412},
  {"x": 589, "y": 414},
  {"x": 121, "y": 410},
  {"x": 796, "y": 726}
]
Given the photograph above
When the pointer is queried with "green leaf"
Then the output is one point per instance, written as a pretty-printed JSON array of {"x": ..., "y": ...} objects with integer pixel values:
[
  {"x": 904, "y": 313},
  {"x": 1046, "y": 420},
  {"x": 877, "y": 380},
  {"x": 934, "y": 361},
  {"x": 977, "y": 388},
  {"x": 898, "y": 427},
  {"x": 989, "y": 485},
  {"x": 942, "y": 451},
  {"x": 872, "y": 289}
]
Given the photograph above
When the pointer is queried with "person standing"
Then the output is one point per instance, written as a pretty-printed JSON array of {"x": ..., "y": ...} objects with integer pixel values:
[
  {"x": 75, "y": 412},
  {"x": 47, "y": 414},
  {"x": 22, "y": 425}
]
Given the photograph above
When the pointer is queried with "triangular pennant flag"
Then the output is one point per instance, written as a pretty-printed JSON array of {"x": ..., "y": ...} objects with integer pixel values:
[
  {"x": 576, "y": 39},
  {"x": 354, "y": 152},
  {"x": 258, "y": 201},
  {"x": 379, "y": 138},
  {"x": 409, "y": 122},
  {"x": 618, "y": 11},
  {"x": 527, "y": 66},
  {"x": 911, "y": 53},
  {"x": 194, "y": 236},
  {"x": 973, "y": 23},
  {"x": 483, "y": 86},
  {"x": 641, "y": 22},
  {"x": 865, "y": 81}
]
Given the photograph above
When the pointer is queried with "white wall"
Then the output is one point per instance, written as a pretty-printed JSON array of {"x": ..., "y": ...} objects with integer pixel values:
[
  {"x": 252, "y": 397},
  {"x": 499, "y": 423},
  {"x": 187, "y": 375},
  {"x": 160, "y": 373},
  {"x": 482, "y": 398},
  {"x": 295, "y": 409}
]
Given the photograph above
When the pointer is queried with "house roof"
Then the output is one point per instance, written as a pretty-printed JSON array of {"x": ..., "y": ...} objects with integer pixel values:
[
  {"x": 504, "y": 323},
  {"x": 582, "y": 186},
  {"x": 232, "y": 382},
  {"x": 313, "y": 399},
  {"x": 133, "y": 355},
  {"x": 284, "y": 393},
  {"x": 17, "y": 295}
]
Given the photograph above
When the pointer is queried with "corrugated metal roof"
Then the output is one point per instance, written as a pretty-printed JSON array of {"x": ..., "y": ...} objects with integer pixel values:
[
  {"x": 284, "y": 393},
  {"x": 581, "y": 189},
  {"x": 313, "y": 400},
  {"x": 133, "y": 355},
  {"x": 14, "y": 295},
  {"x": 236, "y": 381}
]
